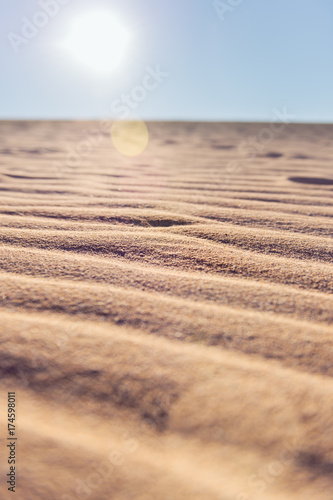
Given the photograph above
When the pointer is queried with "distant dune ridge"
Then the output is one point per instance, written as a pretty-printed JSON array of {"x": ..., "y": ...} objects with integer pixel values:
[{"x": 166, "y": 320}]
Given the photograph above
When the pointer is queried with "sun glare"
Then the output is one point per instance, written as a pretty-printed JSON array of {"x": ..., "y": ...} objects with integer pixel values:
[{"x": 99, "y": 41}]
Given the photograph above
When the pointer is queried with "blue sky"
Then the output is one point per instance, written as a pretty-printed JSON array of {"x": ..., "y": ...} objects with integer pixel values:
[{"x": 263, "y": 55}]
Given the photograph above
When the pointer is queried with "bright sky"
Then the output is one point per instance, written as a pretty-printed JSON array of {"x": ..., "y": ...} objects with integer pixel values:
[{"x": 182, "y": 59}]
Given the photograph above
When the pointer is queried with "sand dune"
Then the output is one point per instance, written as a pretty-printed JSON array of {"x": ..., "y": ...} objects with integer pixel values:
[{"x": 166, "y": 321}]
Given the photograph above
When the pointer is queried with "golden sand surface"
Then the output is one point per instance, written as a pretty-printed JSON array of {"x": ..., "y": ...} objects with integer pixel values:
[{"x": 166, "y": 319}]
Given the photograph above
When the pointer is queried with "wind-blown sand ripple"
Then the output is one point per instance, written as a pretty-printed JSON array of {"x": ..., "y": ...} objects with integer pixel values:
[{"x": 166, "y": 321}]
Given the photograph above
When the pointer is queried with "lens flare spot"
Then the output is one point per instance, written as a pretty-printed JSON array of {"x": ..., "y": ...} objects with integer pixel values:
[{"x": 130, "y": 138}]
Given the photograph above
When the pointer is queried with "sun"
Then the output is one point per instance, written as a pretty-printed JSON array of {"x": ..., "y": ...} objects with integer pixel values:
[{"x": 99, "y": 41}]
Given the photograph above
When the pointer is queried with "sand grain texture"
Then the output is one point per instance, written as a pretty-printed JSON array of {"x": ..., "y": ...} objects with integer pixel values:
[{"x": 166, "y": 320}]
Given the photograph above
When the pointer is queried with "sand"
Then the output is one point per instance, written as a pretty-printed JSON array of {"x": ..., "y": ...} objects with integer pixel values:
[{"x": 166, "y": 320}]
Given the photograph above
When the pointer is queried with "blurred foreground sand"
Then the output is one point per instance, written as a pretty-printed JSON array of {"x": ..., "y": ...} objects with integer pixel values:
[{"x": 166, "y": 320}]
